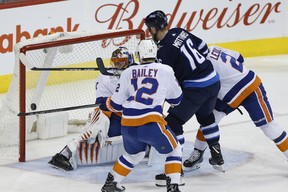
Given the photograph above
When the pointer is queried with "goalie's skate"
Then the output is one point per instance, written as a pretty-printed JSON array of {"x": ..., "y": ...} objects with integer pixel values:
[
  {"x": 111, "y": 185},
  {"x": 160, "y": 180},
  {"x": 194, "y": 161},
  {"x": 59, "y": 161},
  {"x": 216, "y": 159}
]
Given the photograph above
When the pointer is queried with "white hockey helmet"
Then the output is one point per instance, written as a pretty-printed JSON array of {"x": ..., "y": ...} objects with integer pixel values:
[{"x": 146, "y": 49}]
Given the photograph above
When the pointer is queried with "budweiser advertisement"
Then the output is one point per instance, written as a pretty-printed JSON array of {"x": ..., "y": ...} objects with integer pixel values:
[{"x": 214, "y": 21}]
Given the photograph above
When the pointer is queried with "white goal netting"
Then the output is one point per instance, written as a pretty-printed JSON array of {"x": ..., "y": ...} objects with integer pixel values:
[{"x": 52, "y": 89}]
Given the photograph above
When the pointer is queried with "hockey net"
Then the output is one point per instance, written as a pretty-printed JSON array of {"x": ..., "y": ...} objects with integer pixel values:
[{"x": 53, "y": 89}]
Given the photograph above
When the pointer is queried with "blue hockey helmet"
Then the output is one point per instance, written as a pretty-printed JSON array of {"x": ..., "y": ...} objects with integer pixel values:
[{"x": 156, "y": 19}]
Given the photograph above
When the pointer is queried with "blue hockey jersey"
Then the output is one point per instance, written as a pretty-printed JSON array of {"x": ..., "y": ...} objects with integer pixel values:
[{"x": 186, "y": 54}]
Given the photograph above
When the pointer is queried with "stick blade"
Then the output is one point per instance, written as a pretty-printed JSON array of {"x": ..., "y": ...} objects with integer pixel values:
[{"x": 102, "y": 68}]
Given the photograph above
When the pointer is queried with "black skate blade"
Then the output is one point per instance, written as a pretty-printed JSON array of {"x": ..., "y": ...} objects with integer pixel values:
[
  {"x": 56, "y": 166},
  {"x": 162, "y": 182},
  {"x": 193, "y": 168}
]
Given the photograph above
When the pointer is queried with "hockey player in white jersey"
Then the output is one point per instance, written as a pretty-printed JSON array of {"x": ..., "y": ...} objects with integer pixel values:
[
  {"x": 140, "y": 94},
  {"x": 100, "y": 140},
  {"x": 239, "y": 87}
]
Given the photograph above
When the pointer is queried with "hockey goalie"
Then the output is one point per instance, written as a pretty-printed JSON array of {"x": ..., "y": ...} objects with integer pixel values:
[{"x": 101, "y": 140}]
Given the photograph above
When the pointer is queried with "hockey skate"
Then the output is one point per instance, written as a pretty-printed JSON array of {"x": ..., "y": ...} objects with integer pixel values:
[
  {"x": 171, "y": 187},
  {"x": 216, "y": 159},
  {"x": 111, "y": 185},
  {"x": 59, "y": 161},
  {"x": 194, "y": 161},
  {"x": 160, "y": 180}
]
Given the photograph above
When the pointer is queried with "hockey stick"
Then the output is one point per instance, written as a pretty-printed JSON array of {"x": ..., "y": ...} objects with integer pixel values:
[
  {"x": 104, "y": 71},
  {"x": 69, "y": 69},
  {"x": 58, "y": 110},
  {"x": 27, "y": 63}
]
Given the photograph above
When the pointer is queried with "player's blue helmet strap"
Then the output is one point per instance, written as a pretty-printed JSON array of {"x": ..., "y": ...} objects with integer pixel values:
[{"x": 156, "y": 19}]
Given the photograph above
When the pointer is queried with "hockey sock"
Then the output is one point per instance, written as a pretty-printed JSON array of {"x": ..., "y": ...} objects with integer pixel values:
[{"x": 200, "y": 142}]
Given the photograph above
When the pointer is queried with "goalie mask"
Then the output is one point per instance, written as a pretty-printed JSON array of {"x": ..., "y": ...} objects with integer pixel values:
[{"x": 121, "y": 58}]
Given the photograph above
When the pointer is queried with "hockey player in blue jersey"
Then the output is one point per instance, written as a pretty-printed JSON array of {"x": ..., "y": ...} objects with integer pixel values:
[
  {"x": 140, "y": 94},
  {"x": 200, "y": 83}
]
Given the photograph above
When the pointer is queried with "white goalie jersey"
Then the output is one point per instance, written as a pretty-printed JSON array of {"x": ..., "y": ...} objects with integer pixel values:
[{"x": 105, "y": 86}]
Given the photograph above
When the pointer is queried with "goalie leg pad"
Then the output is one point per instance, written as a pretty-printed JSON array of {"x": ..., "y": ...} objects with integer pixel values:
[
  {"x": 112, "y": 149},
  {"x": 94, "y": 154},
  {"x": 72, "y": 146}
]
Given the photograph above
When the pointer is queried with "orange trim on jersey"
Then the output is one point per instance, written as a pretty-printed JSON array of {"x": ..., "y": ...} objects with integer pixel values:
[
  {"x": 118, "y": 168},
  {"x": 283, "y": 146},
  {"x": 108, "y": 104},
  {"x": 169, "y": 135},
  {"x": 109, "y": 113},
  {"x": 246, "y": 92},
  {"x": 143, "y": 120},
  {"x": 263, "y": 105},
  {"x": 173, "y": 168},
  {"x": 118, "y": 114},
  {"x": 200, "y": 136}
]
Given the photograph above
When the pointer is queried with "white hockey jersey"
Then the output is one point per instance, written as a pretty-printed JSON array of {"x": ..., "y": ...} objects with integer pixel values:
[
  {"x": 237, "y": 82},
  {"x": 105, "y": 86},
  {"x": 141, "y": 92}
]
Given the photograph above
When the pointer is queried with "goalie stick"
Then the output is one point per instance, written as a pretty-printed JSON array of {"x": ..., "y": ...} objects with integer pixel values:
[
  {"x": 106, "y": 71},
  {"x": 27, "y": 63},
  {"x": 58, "y": 110}
]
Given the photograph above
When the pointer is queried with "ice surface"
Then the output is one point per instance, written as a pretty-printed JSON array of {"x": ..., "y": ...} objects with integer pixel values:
[{"x": 253, "y": 163}]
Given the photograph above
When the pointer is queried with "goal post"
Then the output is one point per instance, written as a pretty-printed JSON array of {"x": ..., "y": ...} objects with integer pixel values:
[{"x": 32, "y": 90}]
